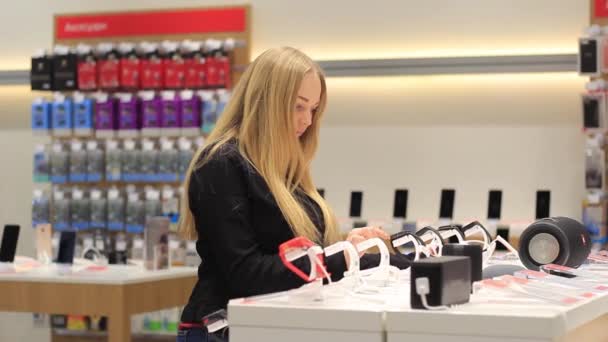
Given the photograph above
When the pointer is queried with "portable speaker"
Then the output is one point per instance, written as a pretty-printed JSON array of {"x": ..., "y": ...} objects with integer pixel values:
[
  {"x": 556, "y": 240},
  {"x": 474, "y": 252}
]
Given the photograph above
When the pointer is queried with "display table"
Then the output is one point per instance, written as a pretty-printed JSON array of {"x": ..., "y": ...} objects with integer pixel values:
[
  {"x": 116, "y": 292},
  {"x": 276, "y": 319},
  {"x": 499, "y": 322}
]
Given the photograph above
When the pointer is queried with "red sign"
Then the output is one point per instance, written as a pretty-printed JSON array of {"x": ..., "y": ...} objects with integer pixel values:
[
  {"x": 601, "y": 9},
  {"x": 150, "y": 23}
]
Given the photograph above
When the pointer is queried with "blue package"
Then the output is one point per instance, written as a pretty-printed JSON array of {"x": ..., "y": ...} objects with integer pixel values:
[
  {"x": 208, "y": 111},
  {"x": 83, "y": 115},
  {"x": 61, "y": 115},
  {"x": 41, "y": 116}
]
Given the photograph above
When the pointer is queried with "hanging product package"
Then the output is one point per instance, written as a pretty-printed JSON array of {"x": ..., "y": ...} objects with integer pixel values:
[
  {"x": 41, "y": 116},
  {"x": 83, "y": 114},
  {"x": 80, "y": 210},
  {"x": 167, "y": 161},
  {"x": 113, "y": 161},
  {"x": 135, "y": 214},
  {"x": 61, "y": 211},
  {"x": 191, "y": 117},
  {"x": 129, "y": 115},
  {"x": 172, "y": 113},
  {"x": 131, "y": 162},
  {"x": 64, "y": 68},
  {"x": 116, "y": 210},
  {"x": 185, "y": 155},
  {"x": 208, "y": 110},
  {"x": 40, "y": 208},
  {"x": 153, "y": 207},
  {"x": 61, "y": 115},
  {"x": 194, "y": 62},
  {"x": 173, "y": 66},
  {"x": 223, "y": 64},
  {"x": 41, "y": 71},
  {"x": 78, "y": 162},
  {"x": 95, "y": 162},
  {"x": 60, "y": 164},
  {"x": 129, "y": 66},
  {"x": 170, "y": 207},
  {"x": 149, "y": 162},
  {"x": 151, "y": 66},
  {"x": 87, "y": 67},
  {"x": 108, "y": 66},
  {"x": 42, "y": 170},
  {"x": 99, "y": 209},
  {"x": 151, "y": 106},
  {"x": 106, "y": 115}
]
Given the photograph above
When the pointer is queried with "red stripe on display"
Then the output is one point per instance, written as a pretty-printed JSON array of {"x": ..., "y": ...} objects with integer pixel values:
[{"x": 151, "y": 23}]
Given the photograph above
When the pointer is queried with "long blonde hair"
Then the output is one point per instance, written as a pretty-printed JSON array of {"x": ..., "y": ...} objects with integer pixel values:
[{"x": 259, "y": 117}]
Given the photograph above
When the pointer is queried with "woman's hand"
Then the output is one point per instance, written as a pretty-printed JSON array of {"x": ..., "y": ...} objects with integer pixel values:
[{"x": 359, "y": 235}]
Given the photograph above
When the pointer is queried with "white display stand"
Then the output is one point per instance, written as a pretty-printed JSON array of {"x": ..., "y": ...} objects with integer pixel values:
[{"x": 275, "y": 319}]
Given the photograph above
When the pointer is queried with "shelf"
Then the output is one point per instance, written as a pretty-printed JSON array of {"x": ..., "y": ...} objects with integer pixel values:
[
  {"x": 105, "y": 184},
  {"x": 164, "y": 336},
  {"x": 451, "y": 65}
]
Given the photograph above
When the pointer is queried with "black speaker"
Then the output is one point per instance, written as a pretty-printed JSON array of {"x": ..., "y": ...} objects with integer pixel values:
[
  {"x": 474, "y": 252},
  {"x": 555, "y": 240},
  {"x": 449, "y": 280}
]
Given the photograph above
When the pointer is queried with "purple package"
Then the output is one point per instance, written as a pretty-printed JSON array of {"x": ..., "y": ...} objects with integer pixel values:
[
  {"x": 151, "y": 107},
  {"x": 191, "y": 113},
  {"x": 106, "y": 115},
  {"x": 171, "y": 113},
  {"x": 129, "y": 118}
]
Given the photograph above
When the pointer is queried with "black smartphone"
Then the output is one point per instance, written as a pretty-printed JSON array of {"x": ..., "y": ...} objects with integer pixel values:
[
  {"x": 400, "y": 203},
  {"x": 8, "y": 248},
  {"x": 446, "y": 207},
  {"x": 67, "y": 244},
  {"x": 543, "y": 204},
  {"x": 356, "y": 198},
  {"x": 588, "y": 54},
  {"x": 494, "y": 204},
  {"x": 591, "y": 112}
]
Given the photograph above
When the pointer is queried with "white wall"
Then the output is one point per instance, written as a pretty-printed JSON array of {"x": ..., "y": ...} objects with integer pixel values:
[{"x": 518, "y": 133}]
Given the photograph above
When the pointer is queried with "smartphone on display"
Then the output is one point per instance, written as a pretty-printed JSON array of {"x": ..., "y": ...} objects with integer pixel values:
[
  {"x": 356, "y": 199},
  {"x": 494, "y": 204},
  {"x": 591, "y": 112},
  {"x": 446, "y": 208},
  {"x": 67, "y": 244},
  {"x": 8, "y": 247},
  {"x": 588, "y": 56},
  {"x": 400, "y": 203},
  {"x": 44, "y": 245},
  {"x": 543, "y": 204}
]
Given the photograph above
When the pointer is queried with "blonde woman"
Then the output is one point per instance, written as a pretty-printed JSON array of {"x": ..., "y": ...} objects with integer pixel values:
[{"x": 250, "y": 189}]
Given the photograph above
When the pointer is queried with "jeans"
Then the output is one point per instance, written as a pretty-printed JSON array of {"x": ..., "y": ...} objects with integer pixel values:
[{"x": 200, "y": 335}]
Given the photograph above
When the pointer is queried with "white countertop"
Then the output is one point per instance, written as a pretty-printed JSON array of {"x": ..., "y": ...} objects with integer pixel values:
[
  {"x": 81, "y": 274},
  {"x": 531, "y": 319}
]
